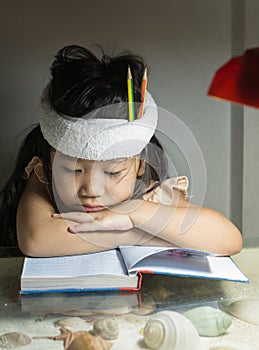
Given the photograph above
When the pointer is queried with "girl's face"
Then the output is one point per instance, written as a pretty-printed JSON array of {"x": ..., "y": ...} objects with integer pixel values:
[{"x": 93, "y": 185}]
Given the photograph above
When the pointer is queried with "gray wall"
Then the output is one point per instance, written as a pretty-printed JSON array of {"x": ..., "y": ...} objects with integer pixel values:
[
  {"x": 183, "y": 42},
  {"x": 251, "y": 140}
]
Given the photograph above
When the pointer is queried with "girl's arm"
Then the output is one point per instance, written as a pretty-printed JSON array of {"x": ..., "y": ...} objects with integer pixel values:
[
  {"x": 188, "y": 225},
  {"x": 39, "y": 234},
  {"x": 182, "y": 224}
]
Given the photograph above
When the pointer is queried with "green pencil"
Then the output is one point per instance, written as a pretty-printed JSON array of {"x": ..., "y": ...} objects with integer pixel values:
[{"x": 130, "y": 96}]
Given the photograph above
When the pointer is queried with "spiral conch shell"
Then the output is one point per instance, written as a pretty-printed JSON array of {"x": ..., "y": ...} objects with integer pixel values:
[
  {"x": 170, "y": 330},
  {"x": 209, "y": 322}
]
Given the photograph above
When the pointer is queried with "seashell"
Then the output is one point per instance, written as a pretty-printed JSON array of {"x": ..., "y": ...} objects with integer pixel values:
[
  {"x": 209, "y": 322},
  {"x": 146, "y": 306},
  {"x": 69, "y": 322},
  {"x": 65, "y": 335},
  {"x": 112, "y": 307},
  {"x": 13, "y": 340},
  {"x": 87, "y": 341},
  {"x": 170, "y": 330},
  {"x": 107, "y": 328},
  {"x": 246, "y": 310}
]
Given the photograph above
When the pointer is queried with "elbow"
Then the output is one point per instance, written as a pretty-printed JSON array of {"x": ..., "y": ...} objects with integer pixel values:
[
  {"x": 227, "y": 237},
  {"x": 236, "y": 243},
  {"x": 28, "y": 248},
  {"x": 232, "y": 242},
  {"x": 228, "y": 246},
  {"x": 28, "y": 245}
]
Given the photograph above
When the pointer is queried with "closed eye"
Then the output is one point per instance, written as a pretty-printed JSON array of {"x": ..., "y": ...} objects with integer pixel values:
[
  {"x": 68, "y": 170},
  {"x": 113, "y": 173}
]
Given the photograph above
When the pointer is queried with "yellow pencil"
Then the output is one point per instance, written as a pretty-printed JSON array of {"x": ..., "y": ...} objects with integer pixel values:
[
  {"x": 143, "y": 93},
  {"x": 130, "y": 96}
]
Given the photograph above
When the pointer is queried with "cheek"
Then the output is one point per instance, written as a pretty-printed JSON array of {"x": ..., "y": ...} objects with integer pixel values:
[
  {"x": 64, "y": 187},
  {"x": 122, "y": 190}
]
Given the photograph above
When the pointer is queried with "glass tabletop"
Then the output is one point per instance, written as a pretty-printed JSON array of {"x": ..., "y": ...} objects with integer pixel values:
[{"x": 37, "y": 316}]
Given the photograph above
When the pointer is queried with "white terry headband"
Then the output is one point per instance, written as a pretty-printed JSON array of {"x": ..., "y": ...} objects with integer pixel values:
[{"x": 97, "y": 139}]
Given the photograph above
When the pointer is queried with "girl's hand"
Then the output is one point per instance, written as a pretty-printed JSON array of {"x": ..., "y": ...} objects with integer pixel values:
[{"x": 100, "y": 221}]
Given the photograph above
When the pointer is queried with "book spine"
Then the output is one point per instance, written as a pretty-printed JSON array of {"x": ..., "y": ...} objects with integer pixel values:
[{"x": 39, "y": 291}]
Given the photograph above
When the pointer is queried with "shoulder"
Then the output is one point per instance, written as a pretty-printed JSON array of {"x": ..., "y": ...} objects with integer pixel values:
[
  {"x": 33, "y": 213},
  {"x": 172, "y": 191},
  {"x": 36, "y": 184},
  {"x": 35, "y": 196}
]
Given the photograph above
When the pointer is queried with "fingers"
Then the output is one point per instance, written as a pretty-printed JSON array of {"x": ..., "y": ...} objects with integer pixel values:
[
  {"x": 86, "y": 227},
  {"x": 74, "y": 216},
  {"x": 121, "y": 224},
  {"x": 89, "y": 223}
]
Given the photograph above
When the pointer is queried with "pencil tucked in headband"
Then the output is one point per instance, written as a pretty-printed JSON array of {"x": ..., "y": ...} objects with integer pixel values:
[{"x": 97, "y": 139}]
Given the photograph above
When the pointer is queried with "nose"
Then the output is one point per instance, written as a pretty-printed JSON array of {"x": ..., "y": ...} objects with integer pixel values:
[{"x": 91, "y": 186}]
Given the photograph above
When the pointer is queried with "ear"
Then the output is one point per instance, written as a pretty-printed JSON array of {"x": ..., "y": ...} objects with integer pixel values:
[
  {"x": 39, "y": 172},
  {"x": 142, "y": 167}
]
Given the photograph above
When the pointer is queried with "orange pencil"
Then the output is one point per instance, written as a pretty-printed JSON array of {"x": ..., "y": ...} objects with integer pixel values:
[{"x": 143, "y": 93}]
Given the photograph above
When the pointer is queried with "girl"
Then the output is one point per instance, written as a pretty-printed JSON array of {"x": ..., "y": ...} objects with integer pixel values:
[{"x": 87, "y": 180}]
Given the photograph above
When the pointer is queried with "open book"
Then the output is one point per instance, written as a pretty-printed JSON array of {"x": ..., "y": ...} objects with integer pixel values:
[{"x": 122, "y": 269}]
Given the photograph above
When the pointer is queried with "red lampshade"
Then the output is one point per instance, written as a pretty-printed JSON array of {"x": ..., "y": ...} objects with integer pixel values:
[{"x": 238, "y": 80}]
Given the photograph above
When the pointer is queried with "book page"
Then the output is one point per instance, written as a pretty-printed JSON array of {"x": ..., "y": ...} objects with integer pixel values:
[
  {"x": 133, "y": 254},
  {"x": 107, "y": 262},
  {"x": 179, "y": 264}
]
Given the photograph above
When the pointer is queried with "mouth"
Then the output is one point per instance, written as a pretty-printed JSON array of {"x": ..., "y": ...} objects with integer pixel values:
[{"x": 93, "y": 209}]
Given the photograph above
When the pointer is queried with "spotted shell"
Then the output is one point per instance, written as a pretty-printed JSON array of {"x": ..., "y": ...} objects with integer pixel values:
[
  {"x": 69, "y": 322},
  {"x": 13, "y": 340},
  {"x": 86, "y": 341},
  {"x": 170, "y": 330},
  {"x": 107, "y": 328},
  {"x": 209, "y": 321}
]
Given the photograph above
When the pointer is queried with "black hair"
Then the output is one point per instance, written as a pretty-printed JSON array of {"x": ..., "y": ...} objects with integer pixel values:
[{"x": 80, "y": 83}]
